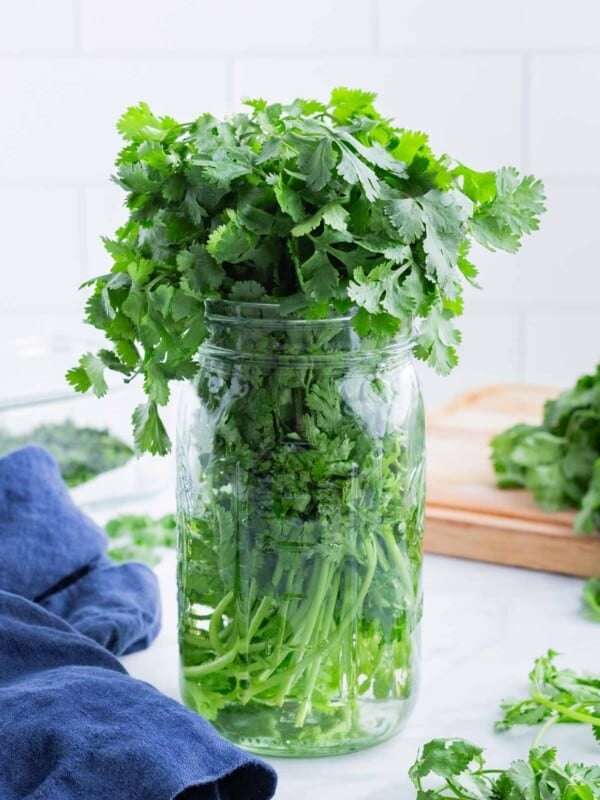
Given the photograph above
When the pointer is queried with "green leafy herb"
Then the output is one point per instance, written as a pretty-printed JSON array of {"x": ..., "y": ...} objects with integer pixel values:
[
  {"x": 555, "y": 695},
  {"x": 82, "y": 453},
  {"x": 140, "y": 537},
  {"x": 591, "y": 598},
  {"x": 455, "y": 768},
  {"x": 559, "y": 459},
  {"x": 301, "y": 514},
  {"x": 311, "y": 205}
]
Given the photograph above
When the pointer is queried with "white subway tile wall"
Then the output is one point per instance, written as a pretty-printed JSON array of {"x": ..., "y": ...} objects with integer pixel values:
[{"x": 511, "y": 83}]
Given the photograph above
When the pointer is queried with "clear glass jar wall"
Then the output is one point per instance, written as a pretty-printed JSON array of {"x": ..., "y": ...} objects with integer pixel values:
[{"x": 300, "y": 460}]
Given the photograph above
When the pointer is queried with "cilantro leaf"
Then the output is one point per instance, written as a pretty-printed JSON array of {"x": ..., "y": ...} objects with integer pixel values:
[
  {"x": 541, "y": 776},
  {"x": 319, "y": 278},
  {"x": 445, "y": 757},
  {"x": 354, "y": 170},
  {"x": 198, "y": 267},
  {"x": 138, "y": 124},
  {"x": 308, "y": 205},
  {"x": 348, "y": 103},
  {"x": 555, "y": 696},
  {"x": 437, "y": 340},
  {"x": 332, "y": 214},
  {"x": 559, "y": 459},
  {"x": 288, "y": 199},
  {"x": 588, "y": 517},
  {"x": 149, "y": 432},
  {"x": 514, "y": 211},
  {"x": 89, "y": 374},
  {"x": 230, "y": 242},
  {"x": 247, "y": 291},
  {"x": 317, "y": 164},
  {"x": 444, "y": 214},
  {"x": 406, "y": 215},
  {"x": 591, "y": 598}
]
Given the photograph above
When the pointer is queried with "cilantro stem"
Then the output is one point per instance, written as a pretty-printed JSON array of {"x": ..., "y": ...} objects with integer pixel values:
[
  {"x": 301, "y": 642},
  {"x": 261, "y": 613},
  {"x": 321, "y": 644},
  {"x": 211, "y": 666},
  {"x": 215, "y": 621},
  {"x": 353, "y": 612},
  {"x": 565, "y": 711},
  {"x": 544, "y": 730}
]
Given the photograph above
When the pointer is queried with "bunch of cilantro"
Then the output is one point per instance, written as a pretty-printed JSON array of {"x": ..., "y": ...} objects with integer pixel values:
[
  {"x": 301, "y": 517},
  {"x": 310, "y": 205},
  {"x": 558, "y": 460},
  {"x": 301, "y": 507}
]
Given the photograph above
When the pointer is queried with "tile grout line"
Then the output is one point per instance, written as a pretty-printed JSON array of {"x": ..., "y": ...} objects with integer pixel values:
[
  {"x": 293, "y": 52},
  {"x": 373, "y": 50},
  {"x": 521, "y": 343},
  {"x": 230, "y": 83},
  {"x": 77, "y": 28},
  {"x": 526, "y": 112},
  {"x": 376, "y": 25},
  {"x": 82, "y": 248}
]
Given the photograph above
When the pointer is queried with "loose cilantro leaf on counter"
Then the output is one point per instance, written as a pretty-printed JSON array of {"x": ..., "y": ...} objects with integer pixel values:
[
  {"x": 559, "y": 459},
  {"x": 82, "y": 453},
  {"x": 555, "y": 695},
  {"x": 308, "y": 205},
  {"x": 140, "y": 537},
  {"x": 462, "y": 773}
]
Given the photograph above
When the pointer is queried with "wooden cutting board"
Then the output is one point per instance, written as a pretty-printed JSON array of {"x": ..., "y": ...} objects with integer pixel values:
[{"x": 468, "y": 516}]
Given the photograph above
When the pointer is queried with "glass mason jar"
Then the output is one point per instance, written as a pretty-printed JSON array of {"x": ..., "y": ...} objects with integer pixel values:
[{"x": 300, "y": 459}]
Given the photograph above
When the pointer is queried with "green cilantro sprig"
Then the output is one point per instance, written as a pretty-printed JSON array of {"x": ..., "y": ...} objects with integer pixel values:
[
  {"x": 309, "y": 205},
  {"x": 555, "y": 695},
  {"x": 458, "y": 770},
  {"x": 559, "y": 459},
  {"x": 591, "y": 598}
]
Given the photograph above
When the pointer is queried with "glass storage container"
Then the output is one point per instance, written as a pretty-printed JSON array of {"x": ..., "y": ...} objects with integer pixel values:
[
  {"x": 38, "y": 406},
  {"x": 300, "y": 474}
]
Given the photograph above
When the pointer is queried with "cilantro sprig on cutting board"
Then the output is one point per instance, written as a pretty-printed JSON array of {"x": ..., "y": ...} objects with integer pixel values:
[
  {"x": 309, "y": 205},
  {"x": 559, "y": 459}
]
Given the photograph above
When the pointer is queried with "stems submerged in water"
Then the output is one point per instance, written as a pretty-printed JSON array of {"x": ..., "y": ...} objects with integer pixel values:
[{"x": 302, "y": 541}]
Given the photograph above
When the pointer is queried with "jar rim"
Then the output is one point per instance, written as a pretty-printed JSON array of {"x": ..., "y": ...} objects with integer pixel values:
[
  {"x": 267, "y": 314},
  {"x": 250, "y": 310}
]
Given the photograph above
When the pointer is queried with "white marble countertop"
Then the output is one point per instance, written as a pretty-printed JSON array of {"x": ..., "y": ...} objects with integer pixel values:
[{"x": 483, "y": 626}]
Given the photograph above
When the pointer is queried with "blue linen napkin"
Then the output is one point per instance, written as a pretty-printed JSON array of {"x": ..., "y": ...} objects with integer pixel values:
[{"x": 73, "y": 724}]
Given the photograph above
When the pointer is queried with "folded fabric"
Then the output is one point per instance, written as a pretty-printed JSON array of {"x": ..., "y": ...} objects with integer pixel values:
[
  {"x": 51, "y": 553},
  {"x": 73, "y": 723}
]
